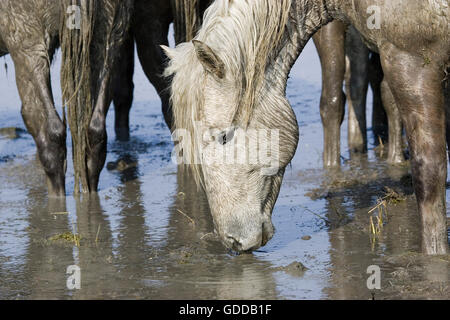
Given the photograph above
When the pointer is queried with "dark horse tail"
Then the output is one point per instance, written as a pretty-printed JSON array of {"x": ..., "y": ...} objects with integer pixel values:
[
  {"x": 187, "y": 18},
  {"x": 90, "y": 34}
]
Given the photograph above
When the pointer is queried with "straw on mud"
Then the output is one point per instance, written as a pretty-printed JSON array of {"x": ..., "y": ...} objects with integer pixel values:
[
  {"x": 60, "y": 213},
  {"x": 381, "y": 206},
  {"x": 381, "y": 146},
  {"x": 206, "y": 235},
  {"x": 98, "y": 232},
  {"x": 372, "y": 226},
  {"x": 379, "y": 222},
  {"x": 391, "y": 197},
  {"x": 381, "y": 142},
  {"x": 317, "y": 215},
  {"x": 336, "y": 211},
  {"x": 71, "y": 237},
  {"x": 381, "y": 203},
  {"x": 76, "y": 236},
  {"x": 67, "y": 236},
  {"x": 184, "y": 214}
]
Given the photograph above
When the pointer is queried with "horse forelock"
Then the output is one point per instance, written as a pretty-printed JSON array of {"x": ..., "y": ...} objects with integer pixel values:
[{"x": 246, "y": 35}]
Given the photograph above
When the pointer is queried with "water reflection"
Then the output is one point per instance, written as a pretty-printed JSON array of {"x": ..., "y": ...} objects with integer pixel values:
[{"x": 194, "y": 263}]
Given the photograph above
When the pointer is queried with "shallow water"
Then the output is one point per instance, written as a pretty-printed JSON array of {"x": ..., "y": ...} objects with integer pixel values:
[{"x": 148, "y": 232}]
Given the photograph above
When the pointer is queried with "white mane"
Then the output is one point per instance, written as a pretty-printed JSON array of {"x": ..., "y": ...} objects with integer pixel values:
[{"x": 246, "y": 35}]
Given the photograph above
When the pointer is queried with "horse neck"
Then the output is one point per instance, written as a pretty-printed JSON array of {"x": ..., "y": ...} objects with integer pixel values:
[{"x": 306, "y": 17}]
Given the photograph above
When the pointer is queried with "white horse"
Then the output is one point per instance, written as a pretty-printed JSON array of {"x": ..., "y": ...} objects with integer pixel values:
[{"x": 233, "y": 76}]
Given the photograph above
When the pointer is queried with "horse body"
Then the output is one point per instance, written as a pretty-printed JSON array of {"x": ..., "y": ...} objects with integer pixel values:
[
  {"x": 30, "y": 32},
  {"x": 419, "y": 28},
  {"x": 235, "y": 74},
  {"x": 150, "y": 27}
]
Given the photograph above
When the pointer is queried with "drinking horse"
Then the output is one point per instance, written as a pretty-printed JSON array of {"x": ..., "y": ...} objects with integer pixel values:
[{"x": 232, "y": 78}]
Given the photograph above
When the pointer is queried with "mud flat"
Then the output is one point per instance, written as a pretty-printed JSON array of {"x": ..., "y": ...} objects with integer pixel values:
[{"x": 148, "y": 233}]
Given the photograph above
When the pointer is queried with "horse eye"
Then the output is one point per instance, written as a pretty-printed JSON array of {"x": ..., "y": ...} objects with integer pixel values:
[{"x": 226, "y": 137}]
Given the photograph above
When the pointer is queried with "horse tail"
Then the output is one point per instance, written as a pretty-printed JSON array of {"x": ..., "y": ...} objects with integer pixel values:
[
  {"x": 76, "y": 34},
  {"x": 91, "y": 32},
  {"x": 187, "y": 19}
]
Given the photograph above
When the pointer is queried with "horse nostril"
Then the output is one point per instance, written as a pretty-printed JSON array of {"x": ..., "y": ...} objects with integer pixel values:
[{"x": 234, "y": 244}]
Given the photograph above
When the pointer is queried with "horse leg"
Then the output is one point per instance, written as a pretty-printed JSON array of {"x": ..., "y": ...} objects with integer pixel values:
[
  {"x": 151, "y": 27},
  {"x": 417, "y": 89},
  {"x": 329, "y": 42},
  {"x": 123, "y": 88},
  {"x": 379, "y": 117},
  {"x": 395, "y": 153},
  {"x": 40, "y": 117},
  {"x": 97, "y": 135},
  {"x": 356, "y": 84}
]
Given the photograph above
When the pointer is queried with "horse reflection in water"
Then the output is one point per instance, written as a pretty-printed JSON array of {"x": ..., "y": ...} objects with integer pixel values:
[
  {"x": 183, "y": 264},
  {"x": 38, "y": 267},
  {"x": 234, "y": 74},
  {"x": 45, "y": 263},
  {"x": 47, "y": 260}
]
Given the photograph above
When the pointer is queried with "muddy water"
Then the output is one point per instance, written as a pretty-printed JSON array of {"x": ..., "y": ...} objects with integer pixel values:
[{"x": 148, "y": 234}]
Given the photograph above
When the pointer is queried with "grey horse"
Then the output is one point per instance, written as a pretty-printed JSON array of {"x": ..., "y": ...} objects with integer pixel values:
[
  {"x": 89, "y": 33},
  {"x": 233, "y": 76}
]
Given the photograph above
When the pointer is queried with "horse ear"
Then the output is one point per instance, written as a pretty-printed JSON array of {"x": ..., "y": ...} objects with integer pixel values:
[
  {"x": 168, "y": 51},
  {"x": 209, "y": 59}
]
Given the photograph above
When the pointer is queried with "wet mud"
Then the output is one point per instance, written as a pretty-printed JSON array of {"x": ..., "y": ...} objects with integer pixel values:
[{"x": 148, "y": 234}]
